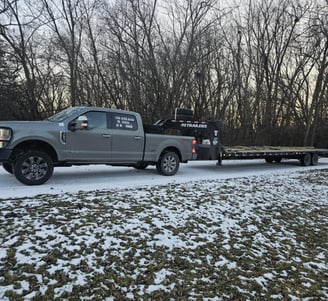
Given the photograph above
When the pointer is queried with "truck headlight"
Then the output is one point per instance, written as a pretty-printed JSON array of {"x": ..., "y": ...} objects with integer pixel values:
[{"x": 5, "y": 136}]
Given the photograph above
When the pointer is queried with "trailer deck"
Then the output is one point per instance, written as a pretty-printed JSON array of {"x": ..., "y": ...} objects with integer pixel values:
[
  {"x": 257, "y": 151},
  {"x": 306, "y": 155}
]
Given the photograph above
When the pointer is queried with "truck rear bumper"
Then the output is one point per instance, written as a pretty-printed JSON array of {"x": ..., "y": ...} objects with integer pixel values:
[{"x": 5, "y": 154}]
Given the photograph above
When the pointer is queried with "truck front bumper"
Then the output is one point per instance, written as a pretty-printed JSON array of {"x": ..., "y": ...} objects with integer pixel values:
[{"x": 5, "y": 154}]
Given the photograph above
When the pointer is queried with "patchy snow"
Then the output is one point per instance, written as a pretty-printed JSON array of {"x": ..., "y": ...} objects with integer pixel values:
[{"x": 246, "y": 230}]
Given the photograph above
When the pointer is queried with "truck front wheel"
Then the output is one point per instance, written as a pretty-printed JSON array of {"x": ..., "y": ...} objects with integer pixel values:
[
  {"x": 168, "y": 163},
  {"x": 33, "y": 167}
]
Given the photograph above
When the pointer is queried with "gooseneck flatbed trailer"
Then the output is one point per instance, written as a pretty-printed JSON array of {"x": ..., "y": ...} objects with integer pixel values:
[
  {"x": 306, "y": 155},
  {"x": 209, "y": 146}
]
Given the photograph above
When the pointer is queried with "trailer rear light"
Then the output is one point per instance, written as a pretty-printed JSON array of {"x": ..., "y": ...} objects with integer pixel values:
[{"x": 194, "y": 149}]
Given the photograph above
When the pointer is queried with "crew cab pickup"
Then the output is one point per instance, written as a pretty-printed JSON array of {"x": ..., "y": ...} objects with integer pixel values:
[{"x": 87, "y": 135}]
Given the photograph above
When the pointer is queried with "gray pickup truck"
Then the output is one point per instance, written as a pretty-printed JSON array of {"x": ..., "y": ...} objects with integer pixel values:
[{"x": 87, "y": 135}]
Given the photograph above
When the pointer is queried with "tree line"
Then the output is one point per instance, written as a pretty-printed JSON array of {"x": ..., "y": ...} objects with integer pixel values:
[{"x": 260, "y": 66}]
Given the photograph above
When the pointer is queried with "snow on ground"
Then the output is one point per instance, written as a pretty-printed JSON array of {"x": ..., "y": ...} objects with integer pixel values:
[
  {"x": 93, "y": 177},
  {"x": 244, "y": 231}
]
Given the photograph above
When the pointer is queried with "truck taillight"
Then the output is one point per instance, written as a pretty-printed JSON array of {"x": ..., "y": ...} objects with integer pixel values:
[{"x": 194, "y": 150}]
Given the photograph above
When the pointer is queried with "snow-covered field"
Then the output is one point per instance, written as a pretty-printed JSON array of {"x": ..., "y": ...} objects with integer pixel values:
[{"x": 243, "y": 231}]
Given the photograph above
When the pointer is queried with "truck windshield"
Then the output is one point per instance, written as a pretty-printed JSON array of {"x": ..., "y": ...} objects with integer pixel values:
[{"x": 63, "y": 115}]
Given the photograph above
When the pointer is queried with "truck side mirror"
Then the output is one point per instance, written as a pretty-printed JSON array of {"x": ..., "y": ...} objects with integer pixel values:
[{"x": 81, "y": 123}]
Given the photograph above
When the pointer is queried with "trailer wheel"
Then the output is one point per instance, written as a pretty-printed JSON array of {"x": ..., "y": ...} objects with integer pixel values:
[
  {"x": 168, "y": 163},
  {"x": 314, "y": 159},
  {"x": 306, "y": 160},
  {"x": 33, "y": 167}
]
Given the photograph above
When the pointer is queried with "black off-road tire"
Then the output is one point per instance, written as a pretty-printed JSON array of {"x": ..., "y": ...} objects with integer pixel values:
[
  {"x": 168, "y": 163},
  {"x": 33, "y": 167}
]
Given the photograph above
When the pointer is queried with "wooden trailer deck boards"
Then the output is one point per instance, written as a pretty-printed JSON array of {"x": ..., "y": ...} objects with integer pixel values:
[
  {"x": 306, "y": 155},
  {"x": 271, "y": 150}
]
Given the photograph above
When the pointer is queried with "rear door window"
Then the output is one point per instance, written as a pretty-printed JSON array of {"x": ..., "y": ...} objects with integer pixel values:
[{"x": 121, "y": 121}]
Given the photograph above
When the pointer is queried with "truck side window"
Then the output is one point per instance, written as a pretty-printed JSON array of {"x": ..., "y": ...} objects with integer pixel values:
[
  {"x": 122, "y": 121},
  {"x": 97, "y": 120}
]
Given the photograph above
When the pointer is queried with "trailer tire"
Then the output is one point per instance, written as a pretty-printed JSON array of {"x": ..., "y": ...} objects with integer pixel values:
[
  {"x": 168, "y": 163},
  {"x": 306, "y": 159},
  {"x": 33, "y": 167},
  {"x": 314, "y": 159}
]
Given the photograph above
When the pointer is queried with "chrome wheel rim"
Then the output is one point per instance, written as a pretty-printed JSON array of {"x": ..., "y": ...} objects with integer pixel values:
[{"x": 169, "y": 164}]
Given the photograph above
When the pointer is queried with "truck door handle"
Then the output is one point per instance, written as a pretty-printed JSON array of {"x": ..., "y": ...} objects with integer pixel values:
[
  {"x": 106, "y": 135},
  {"x": 137, "y": 138}
]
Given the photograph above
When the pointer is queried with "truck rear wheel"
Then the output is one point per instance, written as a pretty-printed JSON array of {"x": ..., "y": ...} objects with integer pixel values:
[
  {"x": 168, "y": 163},
  {"x": 33, "y": 167}
]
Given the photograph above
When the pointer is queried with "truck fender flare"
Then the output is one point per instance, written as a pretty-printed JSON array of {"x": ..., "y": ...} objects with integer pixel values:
[{"x": 169, "y": 149}]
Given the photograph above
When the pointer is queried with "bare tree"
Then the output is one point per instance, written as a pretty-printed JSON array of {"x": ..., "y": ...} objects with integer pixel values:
[
  {"x": 65, "y": 19},
  {"x": 318, "y": 28},
  {"x": 94, "y": 71},
  {"x": 18, "y": 30},
  {"x": 186, "y": 53},
  {"x": 261, "y": 66}
]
